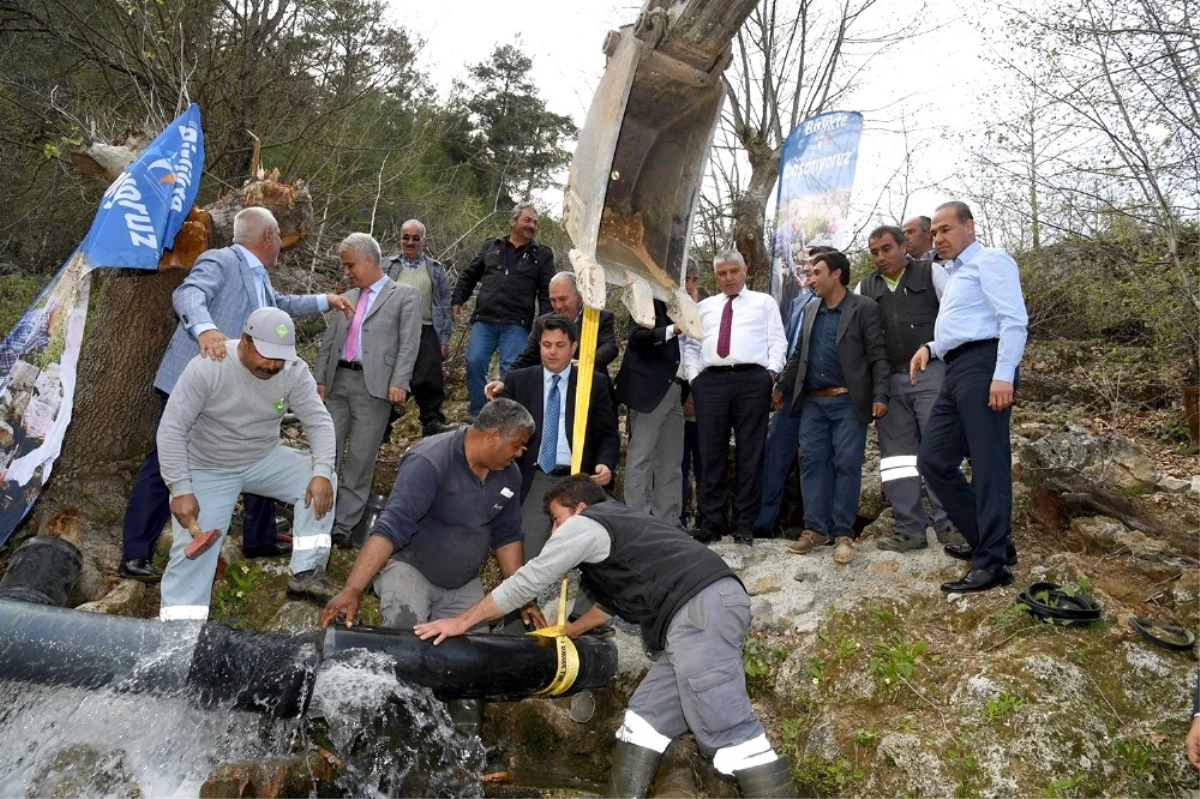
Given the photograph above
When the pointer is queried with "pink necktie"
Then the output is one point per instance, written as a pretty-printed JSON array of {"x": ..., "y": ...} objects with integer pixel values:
[{"x": 356, "y": 325}]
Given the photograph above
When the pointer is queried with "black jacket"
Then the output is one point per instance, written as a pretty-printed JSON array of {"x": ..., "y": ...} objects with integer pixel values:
[
  {"x": 650, "y": 365},
  {"x": 606, "y": 343},
  {"x": 507, "y": 294},
  {"x": 602, "y": 444},
  {"x": 861, "y": 351}
]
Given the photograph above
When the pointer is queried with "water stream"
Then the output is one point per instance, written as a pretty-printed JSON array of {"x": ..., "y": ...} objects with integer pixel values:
[{"x": 393, "y": 739}]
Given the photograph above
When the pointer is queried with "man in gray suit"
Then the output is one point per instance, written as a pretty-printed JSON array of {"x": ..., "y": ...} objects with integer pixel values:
[
  {"x": 213, "y": 303},
  {"x": 365, "y": 367},
  {"x": 836, "y": 381}
]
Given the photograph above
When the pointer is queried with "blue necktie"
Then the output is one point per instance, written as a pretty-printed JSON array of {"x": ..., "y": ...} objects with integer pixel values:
[{"x": 548, "y": 454}]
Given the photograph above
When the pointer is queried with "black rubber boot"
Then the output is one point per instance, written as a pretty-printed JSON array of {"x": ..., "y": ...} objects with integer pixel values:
[
  {"x": 467, "y": 715},
  {"x": 633, "y": 770},
  {"x": 769, "y": 781}
]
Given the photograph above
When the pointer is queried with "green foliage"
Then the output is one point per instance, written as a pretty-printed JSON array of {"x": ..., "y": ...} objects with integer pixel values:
[
  {"x": 759, "y": 659},
  {"x": 1151, "y": 764},
  {"x": 866, "y": 737},
  {"x": 965, "y": 767},
  {"x": 895, "y": 659},
  {"x": 235, "y": 593},
  {"x": 818, "y": 777},
  {"x": 1065, "y": 786},
  {"x": 816, "y": 669},
  {"x": 1001, "y": 706}
]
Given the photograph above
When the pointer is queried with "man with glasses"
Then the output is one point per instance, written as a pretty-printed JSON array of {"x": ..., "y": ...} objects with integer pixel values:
[{"x": 414, "y": 267}]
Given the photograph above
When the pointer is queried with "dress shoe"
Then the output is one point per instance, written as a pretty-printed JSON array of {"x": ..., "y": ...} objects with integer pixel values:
[
  {"x": 843, "y": 550},
  {"x": 744, "y": 534},
  {"x": 808, "y": 540},
  {"x": 312, "y": 585},
  {"x": 964, "y": 552},
  {"x": 434, "y": 428},
  {"x": 275, "y": 549},
  {"x": 140, "y": 569},
  {"x": 341, "y": 540},
  {"x": 706, "y": 534},
  {"x": 979, "y": 580},
  {"x": 903, "y": 543}
]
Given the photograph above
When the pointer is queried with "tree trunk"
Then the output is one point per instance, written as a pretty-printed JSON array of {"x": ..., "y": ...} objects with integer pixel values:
[{"x": 750, "y": 209}]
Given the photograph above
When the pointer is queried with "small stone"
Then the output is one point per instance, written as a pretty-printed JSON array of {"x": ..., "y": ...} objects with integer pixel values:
[
  {"x": 734, "y": 561},
  {"x": 953, "y": 597},
  {"x": 884, "y": 568},
  {"x": 124, "y": 600},
  {"x": 763, "y": 616},
  {"x": 765, "y": 585},
  {"x": 1172, "y": 484},
  {"x": 1196, "y": 484}
]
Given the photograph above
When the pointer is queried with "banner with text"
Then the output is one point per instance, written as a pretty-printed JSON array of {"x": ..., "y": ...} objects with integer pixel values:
[
  {"x": 816, "y": 171},
  {"x": 139, "y": 215}
]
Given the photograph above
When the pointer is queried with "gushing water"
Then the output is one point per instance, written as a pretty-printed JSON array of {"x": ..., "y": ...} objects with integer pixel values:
[{"x": 394, "y": 739}]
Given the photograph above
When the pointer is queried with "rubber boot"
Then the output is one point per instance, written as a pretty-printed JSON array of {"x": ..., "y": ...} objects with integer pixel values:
[
  {"x": 467, "y": 715},
  {"x": 769, "y": 781},
  {"x": 633, "y": 770}
]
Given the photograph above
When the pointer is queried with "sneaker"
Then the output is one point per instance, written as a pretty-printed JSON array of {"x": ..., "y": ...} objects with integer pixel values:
[
  {"x": 843, "y": 550},
  {"x": 951, "y": 536},
  {"x": 903, "y": 543},
  {"x": 313, "y": 586},
  {"x": 808, "y": 540}
]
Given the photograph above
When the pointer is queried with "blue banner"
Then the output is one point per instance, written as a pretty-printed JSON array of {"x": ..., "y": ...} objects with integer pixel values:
[
  {"x": 138, "y": 218},
  {"x": 816, "y": 172}
]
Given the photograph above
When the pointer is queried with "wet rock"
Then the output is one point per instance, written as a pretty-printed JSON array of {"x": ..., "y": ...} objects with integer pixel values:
[
  {"x": 293, "y": 776},
  {"x": 81, "y": 770},
  {"x": 1100, "y": 534},
  {"x": 124, "y": 600}
]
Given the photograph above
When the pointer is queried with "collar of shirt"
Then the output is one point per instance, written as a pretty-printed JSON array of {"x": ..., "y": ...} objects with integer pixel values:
[
  {"x": 251, "y": 259},
  {"x": 562, "y": 384},
  {"x": 967, "y": 254},
  {"x": 376, "y": 287},
  {"x": 412, "y": 264},
  {"x": 835, "y": 309}
]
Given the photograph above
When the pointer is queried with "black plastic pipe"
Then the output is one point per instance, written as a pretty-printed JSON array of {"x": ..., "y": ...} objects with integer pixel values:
[
  {"x": 43, "y": 570},
  {"x": 479, "y": 666}
]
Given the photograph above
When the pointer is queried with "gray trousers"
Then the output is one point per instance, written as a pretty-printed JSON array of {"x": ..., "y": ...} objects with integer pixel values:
[
  {"x": 535, "y": 523},
  {"x": 697, "y": 682},
  {"x": 359, "y": 424},
  {"x": 900, "y": 433},
  {"x": 406, "y": 597},
  {"x": 653, "y": 480}
]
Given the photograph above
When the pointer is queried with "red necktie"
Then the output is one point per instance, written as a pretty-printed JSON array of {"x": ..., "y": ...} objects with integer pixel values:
[{"x": 726, "y": 329}]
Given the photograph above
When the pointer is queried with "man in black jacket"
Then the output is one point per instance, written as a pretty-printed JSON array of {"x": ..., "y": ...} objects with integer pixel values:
[
  {"x": 693, "y": 613},
  {"x": 513, "y": 271},
  {"x": 836, "y": 381},
  {"x": 648, "y": 386},
  {"x": 566, "y": 301}
]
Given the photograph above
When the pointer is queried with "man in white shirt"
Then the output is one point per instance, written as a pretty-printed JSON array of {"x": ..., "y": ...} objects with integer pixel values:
[{"x": 732, "y": 370}]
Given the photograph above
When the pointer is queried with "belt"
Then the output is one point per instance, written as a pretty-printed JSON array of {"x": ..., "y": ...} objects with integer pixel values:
[
  {"x": 351, "y": 365},
  {"x": 836, "y": 391},
  {"x": 557, "y": 471},
  {"x": 737, "y": 367},
  {"x": 962, "y": 349}
]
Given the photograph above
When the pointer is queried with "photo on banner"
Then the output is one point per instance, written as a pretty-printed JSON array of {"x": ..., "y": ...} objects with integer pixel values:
[
  {"x": 139, "y": 215},
  {"x": 816, "y": 173}
]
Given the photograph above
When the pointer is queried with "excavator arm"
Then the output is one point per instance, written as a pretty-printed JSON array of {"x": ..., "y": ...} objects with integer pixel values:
[{"x": 637, "y": 169}]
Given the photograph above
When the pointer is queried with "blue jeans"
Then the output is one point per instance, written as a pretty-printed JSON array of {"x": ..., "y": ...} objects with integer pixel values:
[
  {"x": 832, "y": 442},
  {"x": 486, "y": 338},
  {"x": 782, "y": 442}
]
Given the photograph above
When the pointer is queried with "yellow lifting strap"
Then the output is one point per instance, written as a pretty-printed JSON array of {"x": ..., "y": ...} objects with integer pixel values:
[{"x": 568, "y": 655}]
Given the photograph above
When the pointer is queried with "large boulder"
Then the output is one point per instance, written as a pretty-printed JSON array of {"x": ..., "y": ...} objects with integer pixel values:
[{"x": 1113, "y": 461}]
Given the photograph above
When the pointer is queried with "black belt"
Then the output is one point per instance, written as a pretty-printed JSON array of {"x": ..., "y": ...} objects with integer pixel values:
[
  {"x": 557, "y": 471},
  {"x": 737, "y": 367},
  {"x": 962, "y": 349},
  {"x": 357, "y": 367}
]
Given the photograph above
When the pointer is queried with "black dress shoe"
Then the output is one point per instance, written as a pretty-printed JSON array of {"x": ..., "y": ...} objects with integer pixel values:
[
  {"x": 744, "y": 534},
  {"x": 276, "y": 549},
  {"x": 979, "y": 580},
  {"x": 140, "y": 569},
  {"x": 964, "y": 552},
  {"x": 706, "y": 535},
  {"x": 435, "y": 428}
]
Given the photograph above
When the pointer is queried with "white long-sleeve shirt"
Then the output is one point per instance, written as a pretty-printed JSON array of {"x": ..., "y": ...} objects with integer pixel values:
[{"x": 756, "y": 334}]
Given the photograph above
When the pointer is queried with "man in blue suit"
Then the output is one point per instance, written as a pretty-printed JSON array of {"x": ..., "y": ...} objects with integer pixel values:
[{"x": 220, "y": 292}]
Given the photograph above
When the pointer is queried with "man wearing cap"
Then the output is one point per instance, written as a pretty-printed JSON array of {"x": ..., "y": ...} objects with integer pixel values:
[
  {"x": 219, "y": 436},
  {"x": 223, "y": 287},
  {"x": 364, "y": 369}
]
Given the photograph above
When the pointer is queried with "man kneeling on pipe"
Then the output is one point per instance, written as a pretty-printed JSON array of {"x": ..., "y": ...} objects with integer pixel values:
[
  {"x": 219, "y": 436},
  {"x": 456, "y": 494},
  {"x": 694, "y": 614}
]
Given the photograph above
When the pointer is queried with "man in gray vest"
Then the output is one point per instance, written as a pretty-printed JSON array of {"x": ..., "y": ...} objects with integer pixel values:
[
  {"x": 414, "y": 267},
  {"x": 693, "y": 613},
  {"x": 908, "y": 293}
]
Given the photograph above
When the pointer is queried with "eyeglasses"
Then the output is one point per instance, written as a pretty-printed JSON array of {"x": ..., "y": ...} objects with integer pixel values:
[{"x": 410, "y": 238}]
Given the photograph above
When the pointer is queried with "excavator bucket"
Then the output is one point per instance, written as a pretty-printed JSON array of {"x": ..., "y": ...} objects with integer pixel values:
[{"x": 636, "y": 174}]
